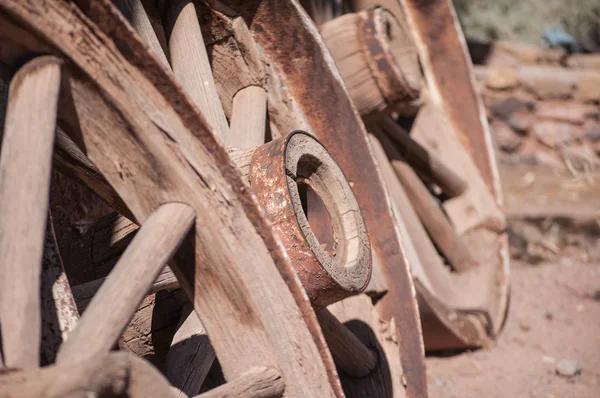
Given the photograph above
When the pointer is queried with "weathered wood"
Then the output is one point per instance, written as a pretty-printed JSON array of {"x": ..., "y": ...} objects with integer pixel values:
[
  {"x": 59, "y": 313},
  {"x": 377, "y": 58},
  {"x": 420, "y": 252},
  {"x": 249, "y": 117},
  {"x": 152, "y": 327},
  {"x": 116, "y": 301},
  {"x": 71, "y": 161},
  {"x": 258, "y": 382},
  {"x": 430, "y": 213},
  {"x": 342, "y": 132},
  {"x": 25, "y": 165},
  {"x": 377, "y": 286},
  {"x": 182, "y": 161},
  {"x": 476, "y": 207},
  {"x": 84, "y": 292},
  {"x": 191, "y": 355},
  {"x": 425, "y": 163},
  {"x": 360, "y": 317},
  {"x": 449, "y": 73},
  {"x": 134, "y": 11},
  {"x": 351, "y": 356},
  {"x": 191, "y": 65},
  {"x": 114, "y": 374}
]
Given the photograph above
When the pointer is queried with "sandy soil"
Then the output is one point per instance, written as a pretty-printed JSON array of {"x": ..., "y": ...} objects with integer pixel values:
[{"x": 554, "y": 315}]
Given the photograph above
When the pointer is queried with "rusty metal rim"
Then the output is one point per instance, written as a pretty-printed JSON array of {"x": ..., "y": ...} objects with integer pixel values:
[{"x": 355, "y": 252}]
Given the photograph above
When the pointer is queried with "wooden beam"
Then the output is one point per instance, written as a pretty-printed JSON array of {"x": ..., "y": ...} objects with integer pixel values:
[
  {"x": 25, "y": 165},
  {"x": 258, "y": 382},
  {"x": 118, "y": 298},
  {"x": 351, "y": 356}
]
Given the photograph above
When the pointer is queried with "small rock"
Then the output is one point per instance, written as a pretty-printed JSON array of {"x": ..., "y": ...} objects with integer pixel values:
[
  {"x": 502, "y": 78},
  {"x": 580, "y": 157},
  {"x": 596, "y": 148},
  {"x": 548, "y": 359},
  {"x": 506, "y": 138},
  {"x": 549, "y": 82},
  {"x": 584, "y": 61},
  {"x": 567, "y": 368},
  {"x": 588, "y": 88},
  {"x": 521, "y": 122},
  {"x": 593, "y": 133},
  {"x": 524, "y": 325},
  {"x": 566, "y": 111},
  {"x": 552, "y": 133},
  {"x": 504, "y": 108}
]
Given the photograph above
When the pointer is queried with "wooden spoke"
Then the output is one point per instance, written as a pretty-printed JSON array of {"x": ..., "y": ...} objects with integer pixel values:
[
  {"x": 476, "y": 207},
  {"x": 192, "y": 68},
  {"x": 258, "y": 382},
  {"x": 134, "y": 11},
  {"x": 25, "y": 164},
  {"x": 114, "y": 374},
  {"x": 427, "y": 164},
  {"x": 249, "y": 117},
  {"x": 351, "y": 356},
  {"x": 191, "y": 355},
  {"x": 431, "y": 215},
  {"x": 426, "y": 265},
  {"x": 125, "y": 287}
]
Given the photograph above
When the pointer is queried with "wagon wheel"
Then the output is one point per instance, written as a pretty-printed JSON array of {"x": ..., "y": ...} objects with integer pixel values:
[
  {"x": 433, "y": 145},
  {"x": 155, "y": 159}
]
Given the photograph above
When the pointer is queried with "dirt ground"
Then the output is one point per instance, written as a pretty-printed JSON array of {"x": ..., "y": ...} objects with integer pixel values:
[{"x": 555, "y": 305}]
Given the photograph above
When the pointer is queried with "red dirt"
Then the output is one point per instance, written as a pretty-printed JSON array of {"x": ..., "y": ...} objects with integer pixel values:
[{"x": 554, "y": 315}]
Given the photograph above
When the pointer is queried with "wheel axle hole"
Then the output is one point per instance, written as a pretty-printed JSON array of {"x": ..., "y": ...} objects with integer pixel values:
[{"x": 318, "y": 217}]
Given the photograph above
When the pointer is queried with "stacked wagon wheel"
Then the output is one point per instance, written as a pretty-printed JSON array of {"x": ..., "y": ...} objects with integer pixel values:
[
  {"x": 163, "y": 110},
  {"x": 430, "y": 137}
]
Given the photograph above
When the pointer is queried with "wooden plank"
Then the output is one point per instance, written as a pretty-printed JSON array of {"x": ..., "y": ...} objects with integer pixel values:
[
  {"x": 258, "y": 382},
  {"x": 25, "y": 165},
  {"x": 118, "y": 298},
  {"x": 252, "y": 321},
  {"x": 249, "y": 117},
  {"x": 114, "y": 374},
  {"x": 191, "y": 65}
]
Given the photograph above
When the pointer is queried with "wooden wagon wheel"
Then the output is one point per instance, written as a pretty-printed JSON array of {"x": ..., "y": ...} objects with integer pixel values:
[
  {"x": 433, "y": 145},
  {"x": 143, "y": 145}
]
